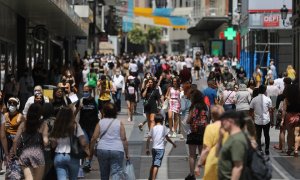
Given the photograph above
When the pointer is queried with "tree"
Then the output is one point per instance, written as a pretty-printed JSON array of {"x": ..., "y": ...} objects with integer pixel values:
[
  {"x": 153, "y": 36},
  {"x": 137, "y": 36}
]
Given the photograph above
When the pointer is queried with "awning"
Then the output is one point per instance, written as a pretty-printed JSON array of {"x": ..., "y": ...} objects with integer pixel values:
[
  {"x": 57, "y": 15},
  {"x": 208, "y": 24}
]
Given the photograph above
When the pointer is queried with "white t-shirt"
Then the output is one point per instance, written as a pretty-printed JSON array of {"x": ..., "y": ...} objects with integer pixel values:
[
  {"x": 189, "y": 62},
  {"x": 63, "y": 144},
  {"x": 158, "y": 134},
  {"x": 261, "y": 104},
  {"x": 280, "y": 84},
  {"x": 84, "y": 75},
  {"x": 133, "y": 67},
  {"x": 272, "y": 90}
]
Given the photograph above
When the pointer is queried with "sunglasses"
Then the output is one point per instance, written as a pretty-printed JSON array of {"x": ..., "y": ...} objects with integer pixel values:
[{"x": 12, "y": 103}]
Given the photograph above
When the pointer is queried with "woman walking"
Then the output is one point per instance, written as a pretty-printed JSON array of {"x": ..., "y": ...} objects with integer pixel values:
[
  {"x": 64, "y": 129},
  {"x": 151, "y": 98},
  {"x": 29, "y": 142},
  {"x": 173, "y": 96},
  {"x": 112, "y": 145},
  {"x": 198, "y": 120},
  {"x": 243, "y": 99}
]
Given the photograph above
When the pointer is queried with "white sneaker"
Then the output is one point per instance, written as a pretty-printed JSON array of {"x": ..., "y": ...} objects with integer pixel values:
[
  {"x": 174, "y": 135},
  {"x": 129, "y": 120}
]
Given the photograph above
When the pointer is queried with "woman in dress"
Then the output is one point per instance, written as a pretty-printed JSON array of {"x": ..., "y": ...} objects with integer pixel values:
[
  {"x": 29, "y": 141},
  {"x": 197, "y": 120},
  {"x": 173, "y": 95},
  {"x": 151, "y": 98},
  {"x": 112, "y": 145},
  {"x": 64, "y": 128}
]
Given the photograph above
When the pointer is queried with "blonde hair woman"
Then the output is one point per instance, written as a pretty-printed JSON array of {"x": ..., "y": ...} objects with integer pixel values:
[{"x": 291, "y": 72}]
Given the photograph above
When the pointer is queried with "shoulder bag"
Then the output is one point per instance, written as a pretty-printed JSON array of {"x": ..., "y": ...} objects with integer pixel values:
[
  {"x": 146, "y": 101},
  {"x": 77, "y": 151}
]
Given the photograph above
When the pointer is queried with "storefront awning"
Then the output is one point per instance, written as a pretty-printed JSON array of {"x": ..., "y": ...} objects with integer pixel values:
[
  {"x": 57, "y": 15},
  {"x": 207, "y": 24}
]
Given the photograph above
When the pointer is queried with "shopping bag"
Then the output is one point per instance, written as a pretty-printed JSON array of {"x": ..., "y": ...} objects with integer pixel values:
[
  {"x": 129, "y": 170},
  {"x": 165, "y": 106}
]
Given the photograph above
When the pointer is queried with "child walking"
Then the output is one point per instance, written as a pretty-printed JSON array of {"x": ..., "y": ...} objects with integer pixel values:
[{"x": 158, "y": 134}]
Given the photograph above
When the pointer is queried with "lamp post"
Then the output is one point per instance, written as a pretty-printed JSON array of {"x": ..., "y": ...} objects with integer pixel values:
[{"x": 284, "y": 11}]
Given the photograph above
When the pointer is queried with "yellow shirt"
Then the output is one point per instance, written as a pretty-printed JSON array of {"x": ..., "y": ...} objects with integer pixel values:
[
  {"x": 210, "y": 139},
  {"x": 106, "y": 96},
  {"x": 291, "y": 74},
  {"x": 11, "y": 125}
]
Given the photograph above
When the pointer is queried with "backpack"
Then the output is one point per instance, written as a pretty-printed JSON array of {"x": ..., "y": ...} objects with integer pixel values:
[
  {"x": 131, "y": 87},
  {"x": 257, "y": 165}
]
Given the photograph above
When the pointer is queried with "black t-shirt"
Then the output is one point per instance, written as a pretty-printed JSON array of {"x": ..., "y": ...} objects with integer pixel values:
[
  {"x": 88, "y": 114},
  {"x": 59, "y": 103},
  {"x": 152, "y": 96}
]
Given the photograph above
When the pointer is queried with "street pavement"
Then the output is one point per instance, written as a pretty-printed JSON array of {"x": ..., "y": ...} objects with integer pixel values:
[{"x": 175, "y": 162}]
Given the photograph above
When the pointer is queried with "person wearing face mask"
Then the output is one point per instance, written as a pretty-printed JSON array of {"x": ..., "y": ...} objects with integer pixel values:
[
  {"x": 59, "y": 99},
  {"x": 87, "y": 116},
  {"x": 10, "y": 124},
  {"x": 37, "y": 90},
  {"x": 119, "y": 83}
]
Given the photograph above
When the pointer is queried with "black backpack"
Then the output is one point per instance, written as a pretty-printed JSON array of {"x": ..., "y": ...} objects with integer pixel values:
[{"x": 257, "y": 165}]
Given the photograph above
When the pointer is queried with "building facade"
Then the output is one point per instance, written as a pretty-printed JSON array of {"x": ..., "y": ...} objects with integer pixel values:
[{"x": 32, "y": 32}]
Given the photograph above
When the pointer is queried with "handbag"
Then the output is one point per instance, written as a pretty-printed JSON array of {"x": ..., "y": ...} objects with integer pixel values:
[
  {"x": 104, "y": 132},
  {"x": 293, "y": 119},
  {"x": 146, "y": 101},
  {"x": 165, "y": 105},
  {"x": 91, "y": 81},
  {"x": 77, "y": 150}
]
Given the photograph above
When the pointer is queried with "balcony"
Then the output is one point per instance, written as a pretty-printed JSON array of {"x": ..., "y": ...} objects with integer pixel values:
[{"x": 209, "y": 15}]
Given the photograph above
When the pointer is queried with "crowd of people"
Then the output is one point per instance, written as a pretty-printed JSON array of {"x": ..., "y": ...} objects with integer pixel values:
[{"x": 54, "y": 136}]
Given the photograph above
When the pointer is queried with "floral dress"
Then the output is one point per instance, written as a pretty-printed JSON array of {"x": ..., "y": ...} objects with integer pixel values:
[{"x": 174, "y": 102}]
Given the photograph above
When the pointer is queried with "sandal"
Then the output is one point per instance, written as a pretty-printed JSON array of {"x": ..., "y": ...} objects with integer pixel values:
[
  {"x": 141, "y": 126},
  {"x": 277, "y": 147},
  {"x": 295, "y": 153}
]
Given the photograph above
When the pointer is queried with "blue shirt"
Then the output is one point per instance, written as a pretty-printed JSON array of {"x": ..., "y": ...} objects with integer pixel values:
[{"x": 211, "y": 94}]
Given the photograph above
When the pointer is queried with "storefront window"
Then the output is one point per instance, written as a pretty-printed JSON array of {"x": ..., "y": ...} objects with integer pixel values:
[{"x": 8, "y": 63}]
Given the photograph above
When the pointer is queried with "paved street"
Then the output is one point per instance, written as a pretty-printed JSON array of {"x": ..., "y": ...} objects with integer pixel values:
[{"x": 175, "y": 162}]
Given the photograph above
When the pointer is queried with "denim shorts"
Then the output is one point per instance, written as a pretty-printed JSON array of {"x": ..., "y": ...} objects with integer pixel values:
[{"x": 157, "y": 156}]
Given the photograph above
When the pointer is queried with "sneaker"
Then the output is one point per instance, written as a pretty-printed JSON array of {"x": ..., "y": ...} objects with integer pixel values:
[
  {"x": 170, "y": 134},
  {"x": 2, "y": 172},
  {"x": 129, "y": 120},
  {"x": 190, "y": 177},
  {"x": 86, "y": 167},
  {"x": 141, "y": 126},
  {"x": 174, "y": 135}
]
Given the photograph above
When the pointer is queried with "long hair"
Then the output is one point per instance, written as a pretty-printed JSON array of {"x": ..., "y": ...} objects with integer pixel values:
[
  {"x": 197, "y": 101},
  {"x": 33, "y": 118},
  {"x": 64, "y": 123},
  {"x": 291, "y": 93}
]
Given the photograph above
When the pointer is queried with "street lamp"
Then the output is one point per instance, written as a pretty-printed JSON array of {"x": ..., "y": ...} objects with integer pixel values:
[{"x": 284, "y": 11}]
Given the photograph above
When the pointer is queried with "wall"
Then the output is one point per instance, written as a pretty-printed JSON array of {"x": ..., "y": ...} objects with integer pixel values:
[
  {"x": 285, "y": 52},
  {"x": 8, "y": 24}
]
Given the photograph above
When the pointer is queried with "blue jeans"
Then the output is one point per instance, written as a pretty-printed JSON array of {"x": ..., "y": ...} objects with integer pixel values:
[
  {"x": 110, "y": 162},
  {"x": 117, "y": 99},
  {"x": 66, "y": 166}
]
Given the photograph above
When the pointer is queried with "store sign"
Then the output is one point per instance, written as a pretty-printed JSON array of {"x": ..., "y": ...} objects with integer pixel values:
[
  {"x": 268, "y": 21},
  {"x": 271, "y": 20},
  {"x": 268, "y": 6}
]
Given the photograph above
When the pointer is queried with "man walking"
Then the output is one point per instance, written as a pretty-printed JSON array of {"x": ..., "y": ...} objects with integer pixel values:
[
  {"x": 262, "y": 112},
  {"x": 233, "y": 152},
  {"x": 119, "y": 84}
]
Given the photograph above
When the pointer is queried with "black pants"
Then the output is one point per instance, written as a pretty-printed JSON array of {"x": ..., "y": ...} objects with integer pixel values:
[{"x": 266, "y": 129}]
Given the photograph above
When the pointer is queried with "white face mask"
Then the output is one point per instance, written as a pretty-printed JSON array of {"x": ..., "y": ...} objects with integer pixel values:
[{"x": 12, "y": 109}]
